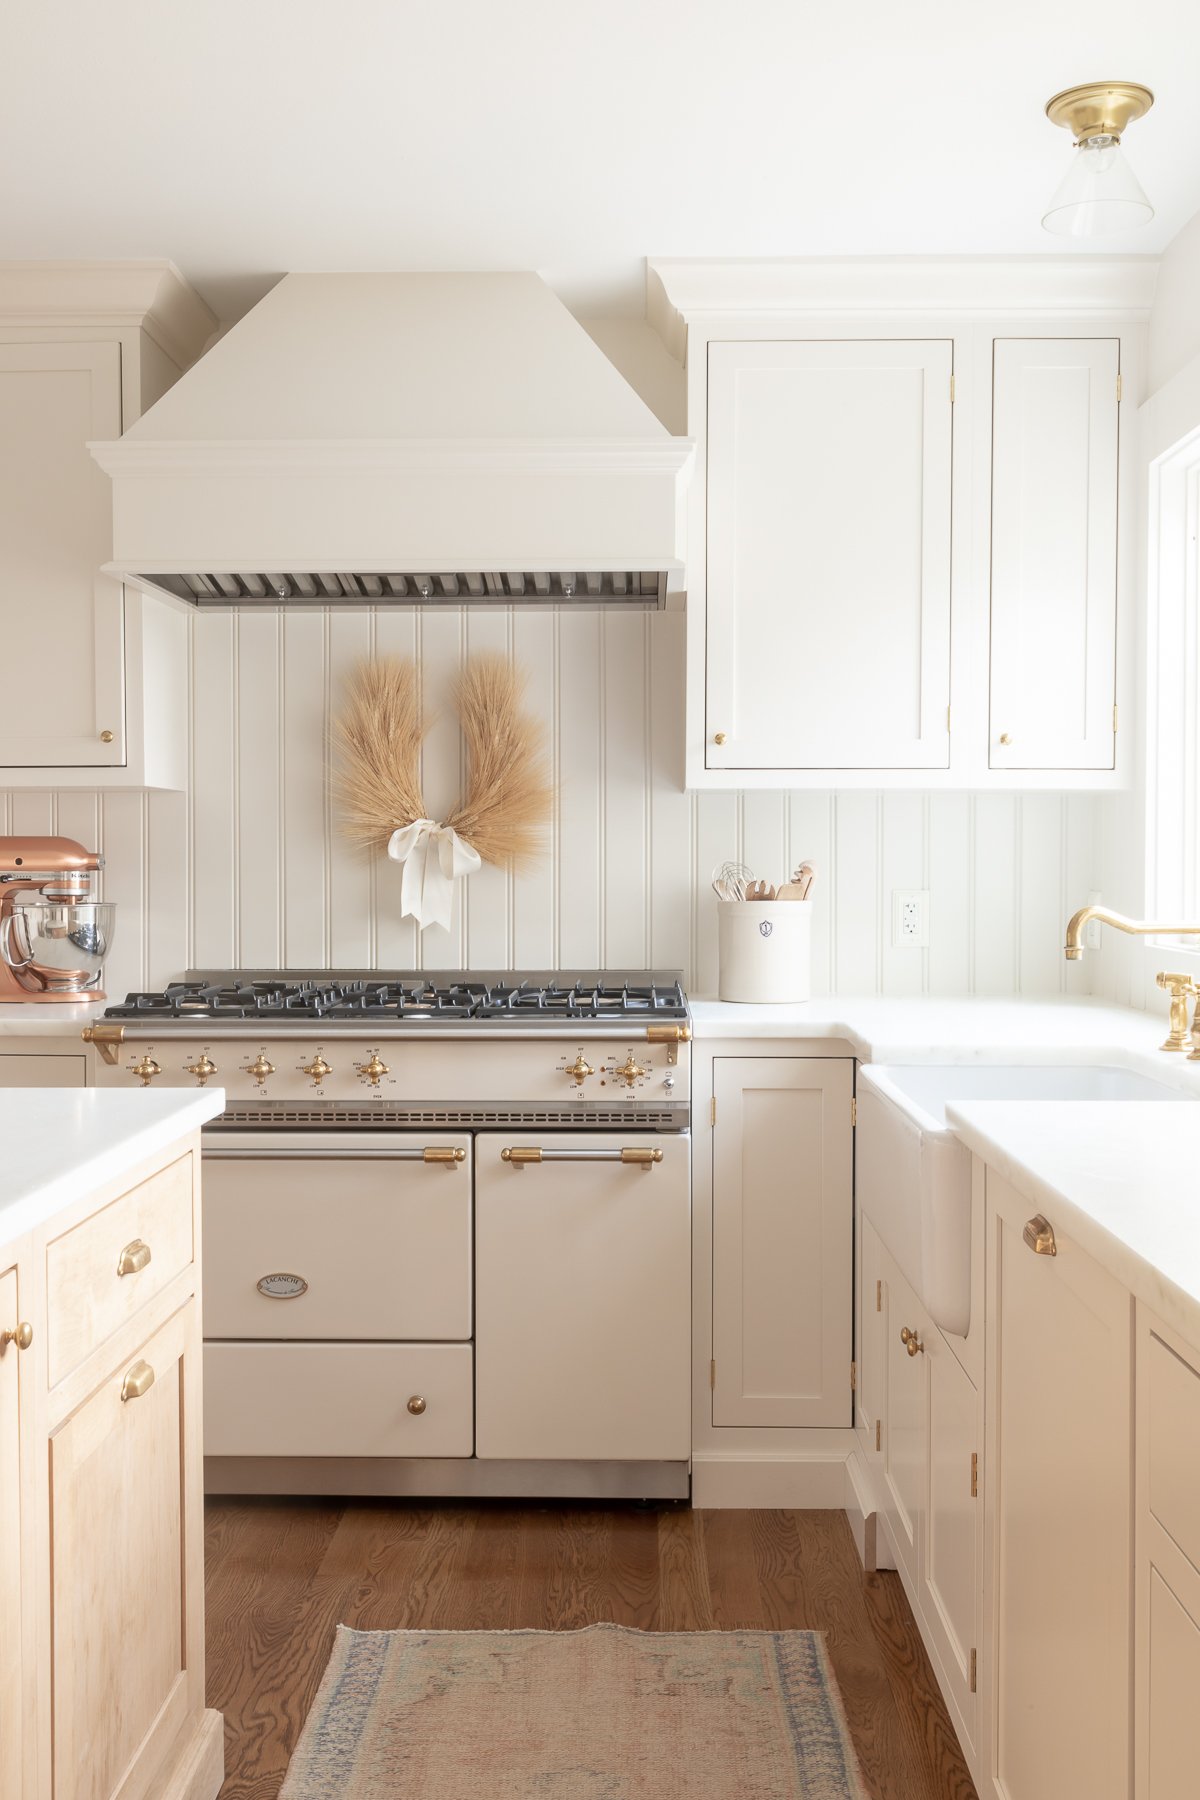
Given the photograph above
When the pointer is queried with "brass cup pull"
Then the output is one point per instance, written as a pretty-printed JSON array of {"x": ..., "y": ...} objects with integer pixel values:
[
  {"x": 1039, "y": 1235},
  {"x": 447, "y": 1156},
  {"x": 133, "y": 1258},
  {"x": 137, "y": 1382},
  {"x": 417, "y": 1405},
  {"x": 21, "y": 1335},
  {"x": 911, "y": 1341}
]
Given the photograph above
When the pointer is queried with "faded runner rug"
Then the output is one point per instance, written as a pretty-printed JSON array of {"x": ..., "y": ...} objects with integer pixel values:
[{"x": 600, "y": 1714}]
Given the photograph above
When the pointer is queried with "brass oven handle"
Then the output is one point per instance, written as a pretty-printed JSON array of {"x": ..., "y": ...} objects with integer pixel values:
[
  {"x": 137, "y": 1382},
  {"x": 642, "y": 1156},
  {"x": 133, "y": 1258},
  {"x": 1039, "y": 1235}
]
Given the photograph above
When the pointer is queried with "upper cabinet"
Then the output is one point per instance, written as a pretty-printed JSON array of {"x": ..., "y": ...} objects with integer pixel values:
[
  {"x": 97, "y": 691},
  {"x": 911, "y": 518},
  {"x": 829, "y": 497},
  {"x": 1055, "y": 407}
]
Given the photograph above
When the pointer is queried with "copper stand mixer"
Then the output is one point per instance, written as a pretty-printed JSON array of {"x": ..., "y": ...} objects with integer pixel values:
[{"x": 52, "y": 947}]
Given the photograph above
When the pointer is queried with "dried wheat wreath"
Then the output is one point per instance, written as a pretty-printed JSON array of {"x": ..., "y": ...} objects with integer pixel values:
[{"x": 509, "y": 793}]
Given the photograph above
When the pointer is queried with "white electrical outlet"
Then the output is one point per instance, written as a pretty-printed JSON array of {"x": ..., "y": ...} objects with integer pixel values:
[{"x": 910, "y": 918}]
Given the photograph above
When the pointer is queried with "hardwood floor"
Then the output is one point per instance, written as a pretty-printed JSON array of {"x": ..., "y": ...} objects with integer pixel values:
[{"x": 282, "y": 1574}]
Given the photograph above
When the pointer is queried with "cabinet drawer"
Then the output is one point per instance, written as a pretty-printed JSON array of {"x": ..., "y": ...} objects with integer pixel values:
[
  {"x": 381, "y": 1243},
  {"x": 88, "y": 1298},
  {"x": 337, "y": 1399},
  {"x": 1174, "y": 1432}
]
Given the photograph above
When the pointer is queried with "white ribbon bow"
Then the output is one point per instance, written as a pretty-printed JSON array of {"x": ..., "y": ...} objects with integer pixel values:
[{"x": 434, "y": 856}]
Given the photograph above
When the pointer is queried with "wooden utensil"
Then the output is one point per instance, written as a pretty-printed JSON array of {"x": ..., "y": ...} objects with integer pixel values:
[
  {"x": 759, "y": 890},
  {"x": 800, "y": 886}
]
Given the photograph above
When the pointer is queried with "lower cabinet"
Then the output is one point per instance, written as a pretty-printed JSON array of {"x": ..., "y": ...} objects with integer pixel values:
[
  {"x": 782, "y": 1241},
  {"x": 18, "y": 1070},
  {"x": 1059, "y": 1393},
  {"x": 12, "y": 1699}
]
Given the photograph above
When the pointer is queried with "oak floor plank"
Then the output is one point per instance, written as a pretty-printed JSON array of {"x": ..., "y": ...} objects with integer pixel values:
[{"x": 281, "y": 1575}]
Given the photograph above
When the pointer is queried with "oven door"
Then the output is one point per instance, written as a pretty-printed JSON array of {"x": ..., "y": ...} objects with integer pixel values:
[{"x": 583, "y": 1296}]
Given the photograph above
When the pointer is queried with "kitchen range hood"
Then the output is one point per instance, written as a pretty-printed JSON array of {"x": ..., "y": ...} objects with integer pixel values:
[{"x": 402, "y": 440}]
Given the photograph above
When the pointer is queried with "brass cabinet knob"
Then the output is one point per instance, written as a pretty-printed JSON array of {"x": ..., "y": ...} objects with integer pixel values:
[
  {"x": 911, "y": 1341},
  {"x": 579, "y": 1070},
  {"x": 202, "y": 1068},
  {"x": 146, "y": 1069},
  {"x": 630, "y": 1071},
  {"x": 1005, "y": 738},
  {"x": 134, "y": 1258},
  {"x": 260, "y": 1068},
  {"x": 318, "y": 1068},
  {"x": 137, "y": 1382},
  {"x": 416, "y": 1405},
  {"x": 718, "y": 737},
  {"x": 21, "y": 1335},
  {"x": 373, "y": 1069},
  {"x": 106, "y": 737}
]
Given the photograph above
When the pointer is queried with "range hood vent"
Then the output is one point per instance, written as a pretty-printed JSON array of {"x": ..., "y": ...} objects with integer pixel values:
[
  {"x": 638, "y": 590},
  {"x": 427, "y": 433}
]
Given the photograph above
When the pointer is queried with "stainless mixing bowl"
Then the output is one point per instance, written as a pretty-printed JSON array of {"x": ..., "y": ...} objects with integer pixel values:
[{"x": 62, "y": 944}]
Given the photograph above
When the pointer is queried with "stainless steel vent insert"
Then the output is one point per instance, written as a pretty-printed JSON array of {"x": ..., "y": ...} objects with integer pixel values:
[
  {"x": 328, "y": 1114},
  {"x": 637, "y": 589}
]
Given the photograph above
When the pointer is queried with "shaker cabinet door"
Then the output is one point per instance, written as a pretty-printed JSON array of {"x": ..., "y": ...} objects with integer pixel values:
[
  {"x": 1054, "y": 553},
  {"x": 828, "y": 603},
  {"x": 11, "y": 1679},
  {"x": 64, "y": 647}
]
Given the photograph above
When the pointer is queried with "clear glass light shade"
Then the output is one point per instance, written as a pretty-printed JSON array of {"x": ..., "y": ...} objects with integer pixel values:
[{"x": 1098, "y": 194}]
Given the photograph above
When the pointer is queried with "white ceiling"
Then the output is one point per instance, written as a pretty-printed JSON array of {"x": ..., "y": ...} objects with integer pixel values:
[{"x": 243, "y": 138}]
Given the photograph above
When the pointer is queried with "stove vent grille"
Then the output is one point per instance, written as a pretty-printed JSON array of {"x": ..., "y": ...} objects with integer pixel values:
[
  {"x": 639, "y": 589},
  {"x": 328, "y": 1115}
]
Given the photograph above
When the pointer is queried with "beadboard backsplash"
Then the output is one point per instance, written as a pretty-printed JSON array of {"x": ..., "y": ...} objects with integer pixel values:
[{"x": 249, "y": 869}]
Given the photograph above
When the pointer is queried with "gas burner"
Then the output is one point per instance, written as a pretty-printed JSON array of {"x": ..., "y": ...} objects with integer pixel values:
[{"x": 345, "y": 1000}]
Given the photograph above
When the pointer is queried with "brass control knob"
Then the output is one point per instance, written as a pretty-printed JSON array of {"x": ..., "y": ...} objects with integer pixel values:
[
  {"x": 260, "y": 1068},
  {"x": 630, "y": 1071},
  {"x": 147, "y": 1069},
  {"x": 21, "y": 1335},
  {"x": 579, "y": 1070},
  {"x": 373, "y": 1069},
  {"x": 416, "y": 1405},
  {"x": 202, "y": 1068},
  {"x": 318, "y": 1068}
]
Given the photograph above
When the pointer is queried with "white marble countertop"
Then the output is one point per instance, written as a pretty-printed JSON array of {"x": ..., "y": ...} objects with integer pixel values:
[
  {"x": 58, "y": 1143},
  {"x": 1119, "y": 1179}
]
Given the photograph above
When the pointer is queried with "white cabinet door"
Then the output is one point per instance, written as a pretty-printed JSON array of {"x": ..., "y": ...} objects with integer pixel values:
[
  {"x": 583, "y": 1299},
  {"x": 1059, "y": 1411},
  {"x": 1054, "y": 552},
  {"x": 783, "y": 1216},
  {"x": 63, "y": 620},
  {"x": 11, "y": 1661},
  {"x": 905, "y": 1423},
  {"x": 952, "y": 1560},
  {"x": 828, "y": 610}
]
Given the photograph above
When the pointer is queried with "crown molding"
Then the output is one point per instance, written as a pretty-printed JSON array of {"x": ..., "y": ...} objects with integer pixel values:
[
  {"x": 149, "y": 296},
  {"x": 134, "y": 456},
  {"x": 681, "y": 291}
]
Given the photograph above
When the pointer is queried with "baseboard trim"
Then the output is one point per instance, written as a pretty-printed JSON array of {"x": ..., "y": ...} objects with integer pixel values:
[
  {"x": 861, "y": 1514},
  {"x": 808, "y": 1483},
  {"x": 199, "y": 1769}
]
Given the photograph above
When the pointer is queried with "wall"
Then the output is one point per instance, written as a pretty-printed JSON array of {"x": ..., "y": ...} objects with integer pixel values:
[
  {"x": 251, "y": 870},
  {"x": 1174, "y": 334}
]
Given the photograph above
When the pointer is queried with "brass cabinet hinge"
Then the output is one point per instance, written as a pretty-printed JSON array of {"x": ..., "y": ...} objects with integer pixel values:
[
  {"x": 853, "y": 1112},
  {"x": 952, "y": 390},
  {"x": 1120, "y": 388},
  {"x": 879, "y": 1296},
  {"x": 879, "y": 1434},
  {"x": 974, "y": 1655},
  {"x": 712, "y": 1373},
  {"x": 853, "y": 1377},
  {"x": 974, "y": 1474},
  {"x": 712, "y": 1110}
]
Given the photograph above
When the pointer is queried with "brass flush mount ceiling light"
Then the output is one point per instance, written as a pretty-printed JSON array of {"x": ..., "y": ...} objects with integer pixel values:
[{"x": 1099, "y": 192}]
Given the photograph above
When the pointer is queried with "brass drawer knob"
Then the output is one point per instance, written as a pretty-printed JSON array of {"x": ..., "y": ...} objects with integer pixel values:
[
  {"x": 106, "y": 737},
  {"x": 21, "y": 1335},
  {"x": 1005, "y": 738},
  {"x": 1039, "y": 1235},
  {"x": 133, "y": 1258},
  {"x": 718, "y": 737},
  {"x": 416, "y": 1405},
  {"x": 911, "y": 1341},
  {"x": 137, "y": 1382}
]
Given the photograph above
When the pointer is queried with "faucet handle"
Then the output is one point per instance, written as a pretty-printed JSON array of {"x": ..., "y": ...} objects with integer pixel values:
[{"x": 1180, "y": 987}]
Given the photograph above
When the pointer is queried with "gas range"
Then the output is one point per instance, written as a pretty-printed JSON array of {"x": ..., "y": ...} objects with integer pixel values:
[{"x": 347, "y": 1049}]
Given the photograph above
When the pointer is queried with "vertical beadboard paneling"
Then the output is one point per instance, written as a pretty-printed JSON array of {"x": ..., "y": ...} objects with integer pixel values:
[
  {"x": 810, "y": 839},
  {"x": 995, "y": 874},
  {"x": 581, "y": 794},
  {"x": 348, "y": 887},
  {"x": 1042, "y": 825},
  {"x": 857, "y": 947},
  {"x": 441, "y": 640},
  {"x": 215, "y": 875},
  {"x": 716, "y": 841},
  {"x": 167, "y": 887},
  {"x": 395, "y": 937},
  {"x": 31, "y": 813},
  {"x": 259, "y": 788},
  {"x": 764, "y": 844},
  {"x": 904, "y": 865},
  {"x": 671, "y": 890},
  {"x": 1085, "y": 815},
  {"x": 124, "y": 821},
  {"x": 305, "y": 874},
  {"x": 534, "y": 927},
  {"x": 626, "y": 808},
  {"x": 485, "y": 898},
  {"x": 950, "y": 876}
]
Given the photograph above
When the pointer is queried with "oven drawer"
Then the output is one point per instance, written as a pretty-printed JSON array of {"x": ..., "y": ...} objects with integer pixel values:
[
  {"x": 373, "y": 1232},
  {"x": 100, "y": 1273},
  {"x": 338, "y": 1400}
]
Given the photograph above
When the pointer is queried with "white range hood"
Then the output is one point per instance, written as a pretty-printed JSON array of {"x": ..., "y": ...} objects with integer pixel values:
[{"x": 401, "y": 439}]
